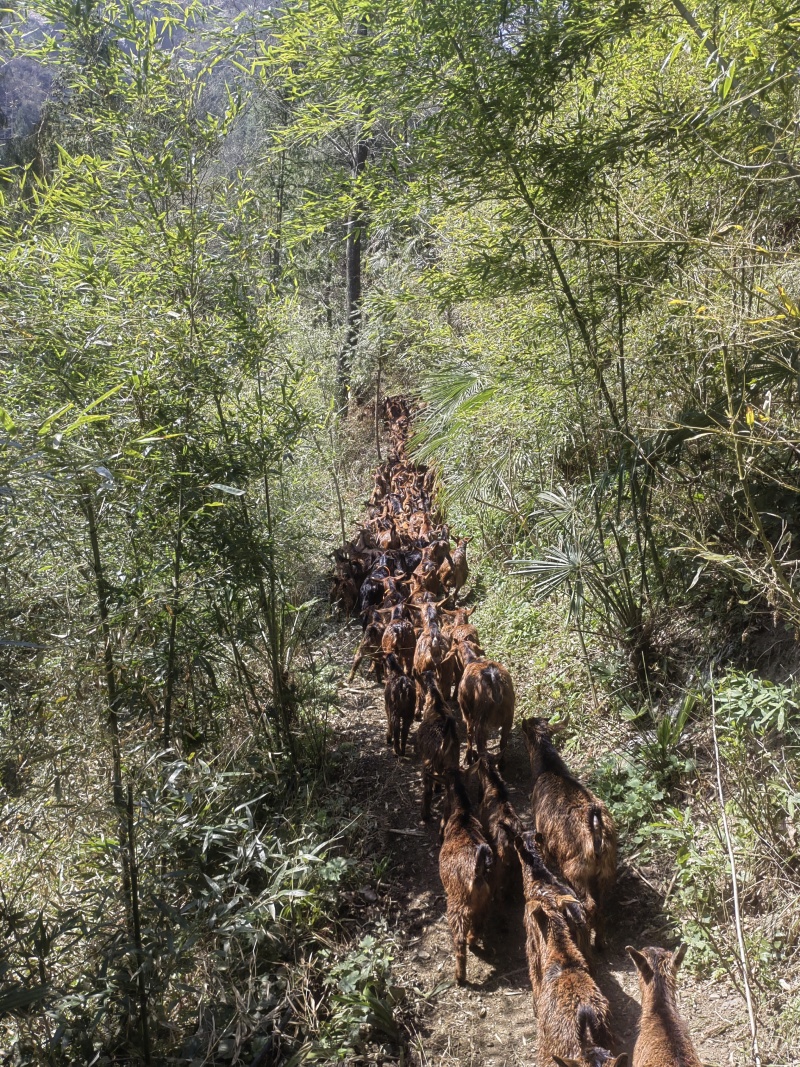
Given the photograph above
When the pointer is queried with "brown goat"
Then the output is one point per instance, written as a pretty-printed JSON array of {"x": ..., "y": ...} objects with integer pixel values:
[
  {"x": 465, "y": 865},
  {"x": 486, "y": 699},
  {"x": 400, "y": 698},
  {"x": 502, "y": 825},
  {"x": 541, "y": 888},
  {"x": 453, "y": 573},
  {"x": 580, "y": 838},
  {"x": 370, "y": 646},
  {"x": 436, "y": 741},
  {"x": 428, "y": 577},
  {"x": 460, "y": 631},
  {"x": 399, "y": 638},
  {"x": 664, "y": 1039},
  {"x": 431, "y": 649},
  {"x": 573, "y": 1014},
  {"x": 593, "y": 1057},
  {"x": 459, "y": 628}
]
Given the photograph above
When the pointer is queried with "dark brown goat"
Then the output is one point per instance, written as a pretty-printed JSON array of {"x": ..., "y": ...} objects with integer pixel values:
[
  {"x": 400, "y": 697},
  {"x": 436, "y": 741},
  {"x": 580, "y": 839},
  {"x": 502, "y": 826},
  {"x": 465, "y": 865},
  {"x": 573, "y": 1014},
  {"x": 486, "y": 699},
  {"x": 664, "y": 1039}
]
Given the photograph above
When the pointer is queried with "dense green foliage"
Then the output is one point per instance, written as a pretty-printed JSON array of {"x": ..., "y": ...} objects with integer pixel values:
[{"x": 581, "y": 248}]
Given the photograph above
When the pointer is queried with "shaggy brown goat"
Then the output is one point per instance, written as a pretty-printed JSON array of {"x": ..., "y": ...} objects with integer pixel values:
[
  {"x": 502, "y": 825},
  {"x": 541, "y": 888},
  {"x": 663, "y": 1039},
  {"x": 580, "y": 838},
  {"x": 573, "y": 1014},
  {"x": 436, "y": 741},
  {"x": 400, "y": 697},
  {"x": 465, "y": 865},
  {"x": 486, "y": 699}
]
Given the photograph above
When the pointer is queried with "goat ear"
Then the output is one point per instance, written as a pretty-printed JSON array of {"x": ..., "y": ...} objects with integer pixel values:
[
  {"x": 539, "y": 839},
  {"x": 542, "y": 920},
  {"x": 571, "y": 907},
  {"x": 641, "y": 962},
  {"x": 677, "y": 956}
]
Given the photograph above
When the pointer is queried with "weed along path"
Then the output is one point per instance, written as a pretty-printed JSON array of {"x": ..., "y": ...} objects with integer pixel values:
[{"x": 490, "y": 1020}]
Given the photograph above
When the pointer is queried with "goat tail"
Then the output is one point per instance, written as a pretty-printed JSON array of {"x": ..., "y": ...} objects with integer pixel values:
[
  {"x": 596, "y": 828},
  {"x": 393, "y": 664},
  {"x": 492, "y": 676},
  {"x": 484, "y": 861},
  {"x": 589, "y": 1026}
]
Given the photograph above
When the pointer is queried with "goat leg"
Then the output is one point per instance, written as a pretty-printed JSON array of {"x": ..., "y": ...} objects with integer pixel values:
[
  {"x": 356, "y": 663},
  {"x": 427, "y": 794},
  {"x": 404, "y": 736},
  {"x": 456, "y": 921}
]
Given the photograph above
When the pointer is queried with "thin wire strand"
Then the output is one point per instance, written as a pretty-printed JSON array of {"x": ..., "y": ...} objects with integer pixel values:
[{"x": 736, "y": 912}]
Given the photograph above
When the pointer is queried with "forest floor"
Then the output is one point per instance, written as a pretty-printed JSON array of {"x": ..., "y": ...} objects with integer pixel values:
[{"x": 489, "y": 1021}]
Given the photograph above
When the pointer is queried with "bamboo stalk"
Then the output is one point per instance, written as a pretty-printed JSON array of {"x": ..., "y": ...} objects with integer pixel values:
[{"x": 137, "y": 933}]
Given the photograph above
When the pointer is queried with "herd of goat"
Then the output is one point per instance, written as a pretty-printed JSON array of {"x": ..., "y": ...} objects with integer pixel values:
[{"x": 397, "y": 575}]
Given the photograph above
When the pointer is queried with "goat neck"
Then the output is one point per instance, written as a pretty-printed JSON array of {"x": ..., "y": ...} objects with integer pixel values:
[{"x": 542, "y": 752}]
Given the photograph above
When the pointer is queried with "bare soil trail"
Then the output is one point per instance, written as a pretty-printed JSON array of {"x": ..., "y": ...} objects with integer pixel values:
[{"x": 491, "y": 1020}]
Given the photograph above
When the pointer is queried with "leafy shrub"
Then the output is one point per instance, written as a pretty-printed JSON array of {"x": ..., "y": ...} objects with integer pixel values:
[
  {"x": 633, "y": 795},
  {"x": 360, "y": 1004},
  {"x": 746, "y": 702}
]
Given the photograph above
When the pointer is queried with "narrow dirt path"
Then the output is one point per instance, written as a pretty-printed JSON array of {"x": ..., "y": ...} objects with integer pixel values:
[{"x": 491, "y": 1020}]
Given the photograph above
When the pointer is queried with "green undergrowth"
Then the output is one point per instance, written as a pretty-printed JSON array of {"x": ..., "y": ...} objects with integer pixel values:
[{"x": 246, "y": 943}]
